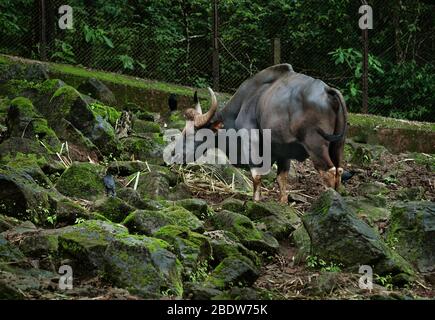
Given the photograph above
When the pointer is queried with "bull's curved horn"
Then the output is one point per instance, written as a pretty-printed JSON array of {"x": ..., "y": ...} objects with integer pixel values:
[
  {"x": 197, "y": 103},
  {"x": 202, "y": 119}
]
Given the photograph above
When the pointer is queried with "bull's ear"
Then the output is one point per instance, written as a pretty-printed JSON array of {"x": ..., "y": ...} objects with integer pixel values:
[{"x": 215, "y": 126}]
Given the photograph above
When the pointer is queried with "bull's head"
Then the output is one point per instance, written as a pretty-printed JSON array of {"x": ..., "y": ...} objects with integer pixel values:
[{"x": 196, "y": 120}]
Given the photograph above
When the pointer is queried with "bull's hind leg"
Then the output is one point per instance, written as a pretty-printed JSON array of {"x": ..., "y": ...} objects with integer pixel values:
[
  {"x": 282, "y": 179},
  {"x": 318, "y": 149},
  {"x": 256, "y": 181}
]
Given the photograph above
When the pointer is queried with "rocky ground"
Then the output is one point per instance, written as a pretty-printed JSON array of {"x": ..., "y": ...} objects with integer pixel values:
[{"x": 191, "y": 231}]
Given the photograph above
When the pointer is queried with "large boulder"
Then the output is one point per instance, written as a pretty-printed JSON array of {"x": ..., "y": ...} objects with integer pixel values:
[
  {"x": 67, "y": 103},
  {"x": 338, "y": 235},
  {"x": 25, "y": 122},
  {"x": 21, "y": 197},
  {"x": 113, "y": 208},
  {"x": 226, "y": 244},
  {"x": 280, "y": 220},
  {"x": 234, "y": 271},
  {"x": 198, "y": 207},
  {"x": 82, "y": 180},
  {"x": 9, "y": 253},
  {"x": 244, "y": 229},
  {"x": 147, "y": 147},
  {"x": 193, "y": 249},
  {"x": 98, "y": 90},
  {"x": 141, "y": 264},
  {"x": 412, "y": 232},
  {"x": 372, "y": 209},
  {"x": 147, "y": 222}
]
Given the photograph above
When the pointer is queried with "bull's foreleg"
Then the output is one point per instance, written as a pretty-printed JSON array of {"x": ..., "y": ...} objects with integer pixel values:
[
  {"x": 256, "y": 181},
  {"x": 282, "y": 179}
]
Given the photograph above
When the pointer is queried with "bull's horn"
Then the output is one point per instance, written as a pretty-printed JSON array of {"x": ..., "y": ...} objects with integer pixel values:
[
  {"x": 197, "y": 103},
  {"x": 202, "y": 119}
]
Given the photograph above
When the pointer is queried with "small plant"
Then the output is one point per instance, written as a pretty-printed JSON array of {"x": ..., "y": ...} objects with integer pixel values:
[
  {"x": 392, "y": 242},
  {"x": 52, "y": 219},
  {"x": 200, "y": 273},
  {"x": 316, "y": 263},
  {"x": 79, "y": 220},
  {"x": 390, "y": 180},
  {"x": 386, "y": 281}
]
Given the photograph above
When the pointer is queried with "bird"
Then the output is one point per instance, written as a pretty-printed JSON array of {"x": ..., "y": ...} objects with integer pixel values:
[
  {"x": 172, "y": 102},
  {"x": 109, "y": 183},
  {"x": 347, "y": 175}
]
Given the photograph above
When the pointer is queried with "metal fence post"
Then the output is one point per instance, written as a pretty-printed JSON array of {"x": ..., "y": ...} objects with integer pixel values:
[
  {"x": 215, "y": 46},
  {"x": 365, "y": 76},
  {"x": 276, "y": 51},
  {"x": 43, "y": 45}
]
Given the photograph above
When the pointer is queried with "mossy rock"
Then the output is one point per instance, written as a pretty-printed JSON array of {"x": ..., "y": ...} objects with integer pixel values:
[
  {"x": 200, "y": 291},
  {"x": 149, "y": 147},
  {"x": 338, "y": 235},
  {"x": 198, "y": 207},
  {"x": 373, "y": 189},
  {"x": 19, "y": 283},
  {"x": 110, "y": 114},
  {"x": 371, "y": 209},
  {"x": 191, "y": 248},
  {"x": 234, "y": 271},
  {"x": 66, "y": 211},
  {"x": 40, "y": 244},
  {"x": 234, "y": 205},
  {"x": 147, "y": 222},
  {"x": 67, "y": 103},
  {"x": 25, "y": 122},
  {"x": 7, "y": 223},
  {"x": 98, "y": 90},
  {"x": 142, "y": 265},
  {"x": 412, "y": 194},
  {"x": 245, "y": 231},
  {"x": 15, "y": 145},
  {"x": 113, "y": 208},
  {"x": 226, "y": 244},
  {"x": 29, "y": 164},
  {"x": 412, "y": 233},
  {"x": 155, "y": 184},
  {"x": 9, "y": 253},
  {"x": 240, "y": 294},
  {"x": 21, "y": 197},
  {"x": 302, "y": 241},
  {"x": 133, "y": 198},
  {"x": 141, "y": 126},
  {"x": 82, "y": 180},
  {"x": 127, "y": 168},
  {"x": 280, "y": 220},
  {"x": 363, "y": 154},
  {"x": 180, "y": 192}
]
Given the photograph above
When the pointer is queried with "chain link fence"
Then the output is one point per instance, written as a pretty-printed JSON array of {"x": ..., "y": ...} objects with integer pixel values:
[{"x": 175, "y": 40}]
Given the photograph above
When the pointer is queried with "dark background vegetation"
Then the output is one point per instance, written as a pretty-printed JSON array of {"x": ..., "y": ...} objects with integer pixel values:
[{"x": 171, "y": 40}]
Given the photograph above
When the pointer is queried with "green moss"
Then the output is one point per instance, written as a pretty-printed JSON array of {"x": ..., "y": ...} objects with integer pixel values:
[
  {"x": 372, "y": 122},
  {"x": 106, "y": 112},
  {"x": 24, "y": 105},
  {"x": 81, "y": 180},
  {"x": 24, "y": 160}
]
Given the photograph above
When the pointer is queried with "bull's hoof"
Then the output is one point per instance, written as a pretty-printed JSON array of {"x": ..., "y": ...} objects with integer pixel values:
[{"x": 283, "y": 199}]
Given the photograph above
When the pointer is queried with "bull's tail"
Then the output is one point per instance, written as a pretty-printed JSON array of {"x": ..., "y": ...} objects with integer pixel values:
[{"x": 336, "y": 137}]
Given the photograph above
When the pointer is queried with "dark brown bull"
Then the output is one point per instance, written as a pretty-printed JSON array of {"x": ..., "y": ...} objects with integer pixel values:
[{"x": 307, "y": 118}]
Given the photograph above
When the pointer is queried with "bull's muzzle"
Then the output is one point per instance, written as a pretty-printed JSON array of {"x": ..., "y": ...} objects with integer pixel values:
[{"x": 332, "y": 177}]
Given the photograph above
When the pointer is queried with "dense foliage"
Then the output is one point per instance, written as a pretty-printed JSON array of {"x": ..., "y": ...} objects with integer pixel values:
[{"x": 171, "y": 40}]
